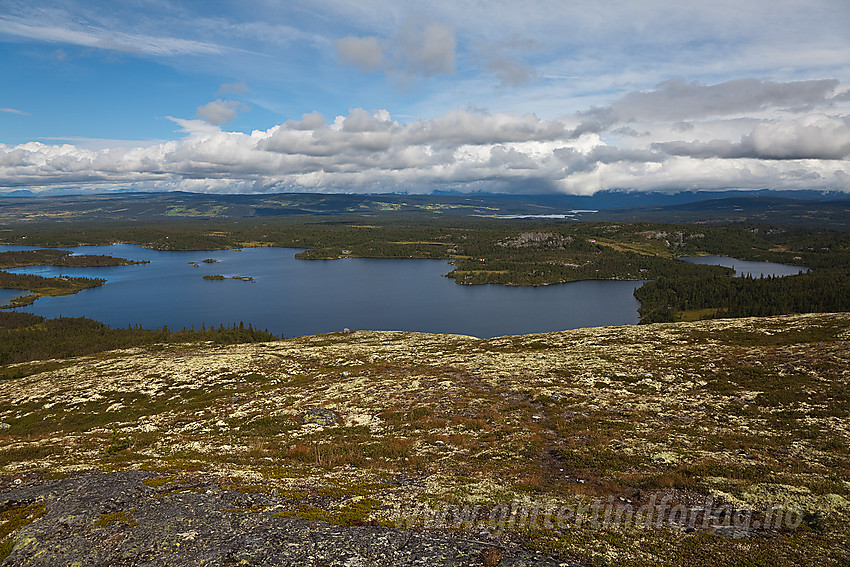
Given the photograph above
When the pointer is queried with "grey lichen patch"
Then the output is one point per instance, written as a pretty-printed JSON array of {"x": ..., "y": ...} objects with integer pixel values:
[
  {"x": 753, "y": 412},
  {"x": 319, "y": 416}
]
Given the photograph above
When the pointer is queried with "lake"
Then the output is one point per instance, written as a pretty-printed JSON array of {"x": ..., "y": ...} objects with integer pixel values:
[
  {"x": 299, "y": 297},
  {"x": 744, "y": 268},
  {"x": 7, "y": 295}
]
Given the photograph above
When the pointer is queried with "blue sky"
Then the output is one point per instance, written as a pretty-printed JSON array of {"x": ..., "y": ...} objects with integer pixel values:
[{"x": 563, "y": 96}]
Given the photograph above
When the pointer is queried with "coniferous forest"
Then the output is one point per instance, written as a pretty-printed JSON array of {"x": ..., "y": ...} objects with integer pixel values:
[
  {"x": 667, "y": 299},
  {"x": 485, "y": 249},
  {"x": 26, "y": 337}
]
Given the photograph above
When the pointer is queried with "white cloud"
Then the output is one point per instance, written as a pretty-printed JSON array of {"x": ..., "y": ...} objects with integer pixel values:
[
  {"x": 419, "y": 48},
  {"x": 427, "y": 48},
  {"x": 100, "y": 38},
  {"x": 370, "y": 151},
  {"x": 221, "y": 111},
  {"x": 233, "y": 88},
  {"x": 365, "y": 53},
  {"x": 14, "y": 111},
  {"x": 678, "y": 101},
  {"x": 808, "y": 137},
  {"x": 817, "y": 136}
]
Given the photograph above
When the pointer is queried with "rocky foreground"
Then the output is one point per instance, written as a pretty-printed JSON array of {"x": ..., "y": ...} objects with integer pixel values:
[{"x": 708, "y": 443}]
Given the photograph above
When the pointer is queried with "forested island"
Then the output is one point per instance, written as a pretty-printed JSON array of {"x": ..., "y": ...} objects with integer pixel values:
[
  {"x": 61, "y": 258},
  {"x": 540, "y": 449},
  {"x": 40, "y": 286},
  {"x": 219, "y": 277},
  {"x": 519, "y": 252}
]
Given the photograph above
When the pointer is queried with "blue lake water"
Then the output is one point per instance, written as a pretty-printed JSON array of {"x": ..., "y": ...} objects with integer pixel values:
[
  {"x": 7, "y": 295},
  {"x": 297, "y": 297},
  {"x": 744, "y": 268}
]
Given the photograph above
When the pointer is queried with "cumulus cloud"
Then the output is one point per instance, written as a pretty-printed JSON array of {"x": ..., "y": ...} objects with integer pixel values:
[
  {"x": 365, "y": 53},
  {"x": 427, "y": 48},
  {"x": 420, "y": 48},
  {"x": 809, "y": 137},
  {"x": 220, "y": 111},
  {"x": 364, "y": 151},
  {"x": 679, "y": 101},
  {"x": 236, "y": 88}
]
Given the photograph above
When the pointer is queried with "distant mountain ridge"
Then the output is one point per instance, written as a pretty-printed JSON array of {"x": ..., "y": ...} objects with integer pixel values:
[
  {"x": 828, "y": 209},
  {"x": 614, "y": 199}
]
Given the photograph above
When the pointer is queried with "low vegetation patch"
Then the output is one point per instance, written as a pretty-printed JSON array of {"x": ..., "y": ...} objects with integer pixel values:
[{"x": 732, "y": 433}]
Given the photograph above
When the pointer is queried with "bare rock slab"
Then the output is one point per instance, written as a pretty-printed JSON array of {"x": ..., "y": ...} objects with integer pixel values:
[{"x": 116, "y": 519}]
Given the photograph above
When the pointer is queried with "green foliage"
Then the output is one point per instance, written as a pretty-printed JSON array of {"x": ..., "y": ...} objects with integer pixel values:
[
  {"x": 41, "y": 286},
  {"x": 53, "y": 257},
  {"x": 354, "y": 513},
  {"x": 44, "y": 286},
  {"x": 507, "y": 252},
  {"x": 664, "y": 299},
  {"x": 13, "y": 519},
  {"x": 116, "y": 443},
  {"x": 26, "y": 337},
  {"x": 112, "y": 518}
]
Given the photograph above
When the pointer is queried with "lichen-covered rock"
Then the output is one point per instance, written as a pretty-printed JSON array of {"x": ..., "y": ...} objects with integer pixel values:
[
  {"x": 730, "y": 415},
  {"x": 319, "y": 416},
  {"x": 121, "y": 519}
]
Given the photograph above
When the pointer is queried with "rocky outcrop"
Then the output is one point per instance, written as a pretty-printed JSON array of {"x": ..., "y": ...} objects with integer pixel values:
[{"x": 117, "y": 519}]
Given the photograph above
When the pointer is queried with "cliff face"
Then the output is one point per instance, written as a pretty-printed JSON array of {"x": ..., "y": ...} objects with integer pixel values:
[{"x": 658, "y": 445}]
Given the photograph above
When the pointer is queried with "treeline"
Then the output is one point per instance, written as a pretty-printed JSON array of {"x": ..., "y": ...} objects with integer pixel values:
[
  {"x": 41, "y": 286},
  {"x": 25, "y": 337},
  {"x": 529, "y": 252},
  {"x": 577, "y": 261},
  {"x": 62, "y": 258},
  {"x": 417, "y": 236},
  {"x": 668, "y": 299}
]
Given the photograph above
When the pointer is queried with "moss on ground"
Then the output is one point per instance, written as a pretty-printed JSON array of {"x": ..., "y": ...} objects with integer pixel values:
[{"x": 752, "y": 414}]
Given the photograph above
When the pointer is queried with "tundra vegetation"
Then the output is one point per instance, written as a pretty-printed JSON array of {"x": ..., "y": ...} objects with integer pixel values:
[
  {"x": 752, "y": 413},
  {"x": 433, "y": 432}
]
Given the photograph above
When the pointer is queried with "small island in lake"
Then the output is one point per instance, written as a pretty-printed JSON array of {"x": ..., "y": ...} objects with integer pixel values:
[
  {"x": 218, "y": 277},
  {"x": 64, "y": 258},
  {"x": 40, "y": 286}
]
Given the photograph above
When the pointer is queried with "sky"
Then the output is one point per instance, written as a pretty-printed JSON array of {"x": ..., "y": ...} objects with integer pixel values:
[{"x": 529, "y": 96}]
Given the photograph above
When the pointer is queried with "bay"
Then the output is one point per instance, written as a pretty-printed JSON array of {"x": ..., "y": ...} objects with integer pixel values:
[
  {"x": 745, "y": 268},
  {"x": 7, "y": 295}
]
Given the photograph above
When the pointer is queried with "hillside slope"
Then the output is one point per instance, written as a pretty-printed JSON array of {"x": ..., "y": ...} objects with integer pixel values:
[{"x": 707, "y": 443}]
